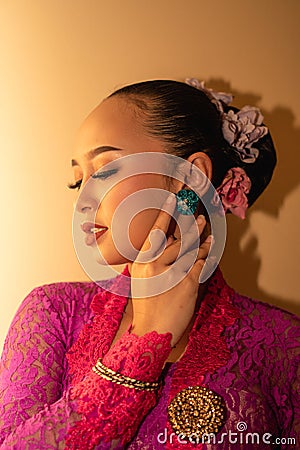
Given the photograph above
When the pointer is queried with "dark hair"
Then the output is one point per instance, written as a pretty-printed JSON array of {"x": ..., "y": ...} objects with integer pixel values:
[{"x": 187, "y": 121}]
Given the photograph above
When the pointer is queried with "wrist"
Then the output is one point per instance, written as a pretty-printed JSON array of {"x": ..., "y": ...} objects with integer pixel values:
[
  {"x": 141, "y": 330},
  {"x": 141, "y": 357}
]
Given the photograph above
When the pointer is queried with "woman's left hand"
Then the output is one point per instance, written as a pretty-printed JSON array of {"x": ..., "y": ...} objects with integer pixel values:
[{"x": 172, "y": 310}]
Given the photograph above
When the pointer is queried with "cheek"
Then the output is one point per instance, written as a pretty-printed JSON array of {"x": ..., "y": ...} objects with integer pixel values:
[
  {"x": 131, "y": 214},
  {"x": 140, "y": 227}
]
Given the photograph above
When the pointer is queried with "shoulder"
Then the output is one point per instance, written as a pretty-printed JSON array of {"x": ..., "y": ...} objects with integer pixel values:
[
  {"x": 52, "y": 313},
  {"x": 261, "y": 311},
  {"x": 62, "y": 307},
  {"x": 69, "y": 299},
  {"x": 258, "y": 318},
  {"x": 61, "y": 296},
  {"x": 67, "y": 291},
  {"x": 268, "y": 328}
]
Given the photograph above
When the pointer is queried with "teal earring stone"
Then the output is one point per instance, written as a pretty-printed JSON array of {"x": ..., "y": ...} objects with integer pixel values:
[{"x": 186, "y": 202}]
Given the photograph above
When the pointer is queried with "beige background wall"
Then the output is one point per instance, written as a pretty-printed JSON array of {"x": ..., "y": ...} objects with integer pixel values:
[{"x": 60, "y": 57}]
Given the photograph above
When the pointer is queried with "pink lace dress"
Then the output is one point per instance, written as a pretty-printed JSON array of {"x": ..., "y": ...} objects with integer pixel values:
[{"x": 245, "y": 351}]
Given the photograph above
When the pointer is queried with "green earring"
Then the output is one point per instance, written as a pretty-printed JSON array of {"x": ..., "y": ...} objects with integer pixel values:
[{"x": 186, "y": 202}]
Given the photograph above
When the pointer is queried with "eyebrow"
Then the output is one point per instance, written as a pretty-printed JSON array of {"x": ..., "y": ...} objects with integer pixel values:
[{"x": 97, "y": 151}]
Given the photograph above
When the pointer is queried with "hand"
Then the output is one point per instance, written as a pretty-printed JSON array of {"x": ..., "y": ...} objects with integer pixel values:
[{"x": 170, "y": 311}]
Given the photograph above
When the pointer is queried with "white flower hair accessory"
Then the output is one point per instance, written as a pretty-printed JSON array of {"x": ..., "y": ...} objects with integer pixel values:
[
  {"x": 240, "y": 129},
  {"x": 216, "y": 97}
]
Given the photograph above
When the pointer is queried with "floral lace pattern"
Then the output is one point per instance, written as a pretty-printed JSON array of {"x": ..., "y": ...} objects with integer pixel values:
[
  {"x": 207, "y": 349},
  {"x": 111, "y": 411},
  {"x": 33, "y": 369},
  {"x": 114, "y": 410},
  {"x": 251, "y": 361},
  {"x": 259, "y": 384}
]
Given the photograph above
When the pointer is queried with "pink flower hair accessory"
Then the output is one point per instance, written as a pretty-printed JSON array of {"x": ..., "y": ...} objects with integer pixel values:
[{"x": 233, "y": 192}]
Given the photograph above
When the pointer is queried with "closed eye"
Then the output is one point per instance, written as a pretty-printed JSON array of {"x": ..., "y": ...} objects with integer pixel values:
[
  {"x": 98, "y": 175},
  {"x": 105, "y": 174},
  {"x": 75, "y": 185}
]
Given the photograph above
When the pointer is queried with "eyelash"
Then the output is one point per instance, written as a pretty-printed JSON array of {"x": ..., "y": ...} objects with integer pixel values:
[
  {"x": 97, "y": 175},
  {"x": 75, "y": 185}
]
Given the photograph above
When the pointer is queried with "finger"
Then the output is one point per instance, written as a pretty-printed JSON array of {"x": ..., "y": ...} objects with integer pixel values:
[
  {"x": 211, "y": 263},
  {"x": 156, "y": 244},
  {"x": 185, "y": 262},
  {"x": 192, "y": 237},
  {"x": 189, "y": 259},
  {"x": 182, "y": 246},
  {"x": 205, "y": 248},
  {"x": 204, "y": 267},
  {"x": 196, "y": 270},
  {"x": 171, "y": 239},
  {"x": 162, "y": 221}
]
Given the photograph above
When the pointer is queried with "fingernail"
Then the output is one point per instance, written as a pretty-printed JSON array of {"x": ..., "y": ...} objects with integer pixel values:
[
  {"x": 200, "y": 218},
  {"x": 170, "y": 199},
  {"x": 210, "y": 238}
]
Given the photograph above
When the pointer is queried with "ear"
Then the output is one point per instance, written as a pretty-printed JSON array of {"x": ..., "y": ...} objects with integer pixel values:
[{"x": 202, "y": 162}]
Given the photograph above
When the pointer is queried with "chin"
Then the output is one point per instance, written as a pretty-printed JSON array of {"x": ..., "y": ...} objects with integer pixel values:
[{"x": 110, "y": 257}]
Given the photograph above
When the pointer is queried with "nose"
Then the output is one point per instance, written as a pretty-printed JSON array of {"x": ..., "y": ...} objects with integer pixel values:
[{"x": 86, "y": 203}]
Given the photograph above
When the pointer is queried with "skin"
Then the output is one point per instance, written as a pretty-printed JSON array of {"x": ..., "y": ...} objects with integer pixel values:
[{"x": 114, "y": 123}]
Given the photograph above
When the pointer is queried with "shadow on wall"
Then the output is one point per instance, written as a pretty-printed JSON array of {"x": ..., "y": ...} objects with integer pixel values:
[{"x": 246, "y": 267}]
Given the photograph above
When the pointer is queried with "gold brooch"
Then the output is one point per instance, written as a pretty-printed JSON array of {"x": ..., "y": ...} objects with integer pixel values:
[{"x": 196, "y": 411}]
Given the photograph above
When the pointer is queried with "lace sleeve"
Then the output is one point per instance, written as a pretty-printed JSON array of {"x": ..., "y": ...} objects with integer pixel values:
[
  {"x": 32, "y": 371},
  {"x": 36, "y": 412},
  {"x": 109, "y": 410}
]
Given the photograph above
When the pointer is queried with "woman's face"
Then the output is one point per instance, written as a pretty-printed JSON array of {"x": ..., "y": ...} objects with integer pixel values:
[{"x": 113, "y": 124}]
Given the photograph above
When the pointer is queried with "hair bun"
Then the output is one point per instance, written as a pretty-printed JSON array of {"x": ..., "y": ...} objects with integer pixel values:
[{"x": 247, "y": 136}]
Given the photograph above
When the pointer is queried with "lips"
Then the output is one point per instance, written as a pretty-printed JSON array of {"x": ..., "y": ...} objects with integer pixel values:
[{"x": 93, "y": 232}]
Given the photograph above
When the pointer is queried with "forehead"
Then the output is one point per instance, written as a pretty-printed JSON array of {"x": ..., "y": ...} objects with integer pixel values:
[{"x": 113, "y": 122}]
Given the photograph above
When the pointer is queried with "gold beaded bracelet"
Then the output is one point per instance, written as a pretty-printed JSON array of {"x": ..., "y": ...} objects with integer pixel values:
[{"x": 118, "y": 378}]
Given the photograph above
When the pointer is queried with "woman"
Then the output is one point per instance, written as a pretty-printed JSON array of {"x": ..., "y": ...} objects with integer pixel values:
[{"x": 123, "y": 365}]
